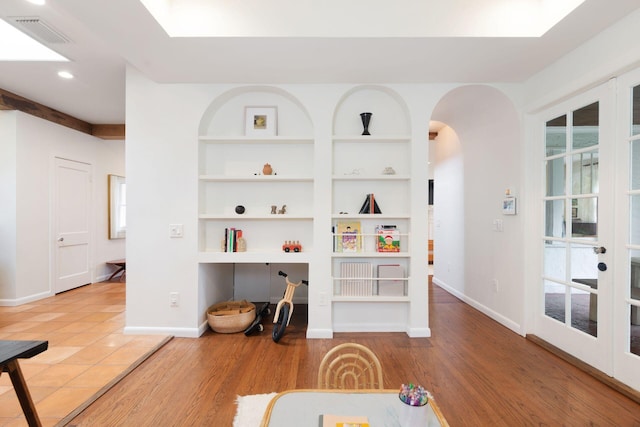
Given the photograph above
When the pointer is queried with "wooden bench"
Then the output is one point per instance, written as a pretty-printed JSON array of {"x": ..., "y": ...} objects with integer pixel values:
[{"x": 121, "y": 265}]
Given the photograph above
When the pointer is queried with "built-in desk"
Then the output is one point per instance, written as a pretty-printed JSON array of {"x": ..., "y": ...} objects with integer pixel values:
[{"x": 10, "y": 352}]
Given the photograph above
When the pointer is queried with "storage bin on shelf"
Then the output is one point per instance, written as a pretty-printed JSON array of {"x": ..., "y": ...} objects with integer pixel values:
[{"x": 231, "y": 316}]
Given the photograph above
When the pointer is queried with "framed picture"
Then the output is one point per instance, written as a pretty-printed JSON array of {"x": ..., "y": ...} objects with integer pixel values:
[
  {"x": 261, "y": 121},
  {"x": 509, "y": 206}
]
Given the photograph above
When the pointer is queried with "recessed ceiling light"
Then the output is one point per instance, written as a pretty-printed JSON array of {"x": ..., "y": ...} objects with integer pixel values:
[
  {"x": 65, "y": 74},
  {"x": 38, "y": 2}
]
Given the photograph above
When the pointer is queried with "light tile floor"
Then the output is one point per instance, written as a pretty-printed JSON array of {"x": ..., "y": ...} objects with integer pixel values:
[{"x": 87, "y": 349}]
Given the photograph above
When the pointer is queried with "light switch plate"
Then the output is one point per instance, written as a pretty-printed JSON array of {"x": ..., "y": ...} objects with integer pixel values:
[{"x": 176, "y": 230}]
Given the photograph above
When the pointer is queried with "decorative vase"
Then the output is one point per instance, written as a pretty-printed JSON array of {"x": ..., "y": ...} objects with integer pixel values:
[
  {"x": 366, "y": 118},
  {"x": 266, "y": 169}
]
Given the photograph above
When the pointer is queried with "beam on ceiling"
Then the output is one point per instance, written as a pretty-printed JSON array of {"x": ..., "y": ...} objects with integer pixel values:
[{"x": 11, "y": 101}]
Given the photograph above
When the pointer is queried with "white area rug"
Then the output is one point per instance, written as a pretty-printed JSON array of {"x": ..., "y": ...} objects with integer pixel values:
[{"x": 251, "y": 409}]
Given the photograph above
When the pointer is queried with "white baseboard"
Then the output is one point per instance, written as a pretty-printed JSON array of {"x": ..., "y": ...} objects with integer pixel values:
[
  {"x": 370, "y": 327},
  {"x": 504, "y": 321},
  {"x": 25, "y": 300},
  {"x": 176, "y": 332},
  {"x": 319, "y": 333},
  {"x": 419, "y": 332}
]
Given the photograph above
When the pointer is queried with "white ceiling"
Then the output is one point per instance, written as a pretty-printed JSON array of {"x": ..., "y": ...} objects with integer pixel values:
[{"x": 105, "y": 35}]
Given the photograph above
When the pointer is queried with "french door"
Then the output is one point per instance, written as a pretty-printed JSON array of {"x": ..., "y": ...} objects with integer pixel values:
[
  {"x": 626, "y": 305},
  {"x": 590, "y": 285},
  {"x": 578, "y": 235}
]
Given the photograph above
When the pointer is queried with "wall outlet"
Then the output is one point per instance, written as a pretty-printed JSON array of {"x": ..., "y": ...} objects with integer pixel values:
[
  {"x": 174, "y": 299},
  {"x": 495, "y": 285}
]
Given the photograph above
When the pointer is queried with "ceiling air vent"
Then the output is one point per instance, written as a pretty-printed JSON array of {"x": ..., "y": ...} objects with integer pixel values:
[{"x": 38, "y": 29}]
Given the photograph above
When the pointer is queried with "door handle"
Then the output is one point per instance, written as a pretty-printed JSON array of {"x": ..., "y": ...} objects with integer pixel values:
[
  {"x": 600, "y": 250},
  {"x": 60, "y": 239}
]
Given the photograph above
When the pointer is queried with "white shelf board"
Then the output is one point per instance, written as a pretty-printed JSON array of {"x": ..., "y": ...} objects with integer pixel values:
[
  {"x": 371, "y": 138},
  {"x": 270, "y": 217},
  {"x": 253, "y": 257},
  {"x": 372, "y": 298},
  {"x": 255, "y": 178},
  {"x": 371, "y": 177},
  {"x": 370, "y": 255},
  {"x": 283, "y": 139},
  {"x": 370, "y": 216}
]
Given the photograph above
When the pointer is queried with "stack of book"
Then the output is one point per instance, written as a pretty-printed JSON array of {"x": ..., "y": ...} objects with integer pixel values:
[
  {"x": 357, "y": 279},
  {"x": 231, "y": 237}
]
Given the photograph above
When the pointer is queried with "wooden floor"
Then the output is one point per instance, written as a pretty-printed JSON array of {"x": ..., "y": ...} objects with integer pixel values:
[{"x": 480, "y": 373}]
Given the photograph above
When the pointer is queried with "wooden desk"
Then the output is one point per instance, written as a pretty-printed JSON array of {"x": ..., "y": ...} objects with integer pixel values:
[
  {"x": 122, "y": 266},
  {"x": 381, "y": 407},
  {"x": 10, "y": 352}
]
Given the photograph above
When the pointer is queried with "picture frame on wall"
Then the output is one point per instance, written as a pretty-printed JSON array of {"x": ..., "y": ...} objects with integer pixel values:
[
  {"x": 261, "y": 121},
  {"x": 509, "y": 206}
]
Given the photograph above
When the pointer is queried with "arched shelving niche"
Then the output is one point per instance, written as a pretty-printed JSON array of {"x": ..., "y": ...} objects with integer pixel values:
[
  {"x": 378, "y": 164},
  {"x": 231, "y": 174}
]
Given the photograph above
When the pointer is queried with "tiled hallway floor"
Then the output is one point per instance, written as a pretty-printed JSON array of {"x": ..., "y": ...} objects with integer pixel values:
[{"x": 87, "y": 349}]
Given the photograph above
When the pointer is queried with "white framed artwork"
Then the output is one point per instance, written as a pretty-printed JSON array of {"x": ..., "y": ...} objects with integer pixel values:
[{"x": 261, "y": 121}]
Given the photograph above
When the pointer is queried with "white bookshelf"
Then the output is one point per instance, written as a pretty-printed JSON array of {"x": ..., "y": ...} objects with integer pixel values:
[{"x": 359, "y": 167}]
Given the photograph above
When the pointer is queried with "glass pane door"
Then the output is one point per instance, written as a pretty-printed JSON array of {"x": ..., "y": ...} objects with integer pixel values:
[
  {"x": 577, "y": 220},
  {"x": 571, "y": 218}
]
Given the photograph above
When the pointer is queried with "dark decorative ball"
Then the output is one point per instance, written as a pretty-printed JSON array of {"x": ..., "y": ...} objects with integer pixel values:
[{"x": 239, "y": 209}]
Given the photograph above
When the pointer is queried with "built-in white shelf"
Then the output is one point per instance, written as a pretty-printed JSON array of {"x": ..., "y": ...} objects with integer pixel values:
[
  {"x": 354, "y": 177},
  {"x": 371, "y": 298},
  {"x": 279, "y": 139},
  {"x": 255, "y": 178},
  {"x": 270, "y": 217},
  {"x": 254, "y": 257}
]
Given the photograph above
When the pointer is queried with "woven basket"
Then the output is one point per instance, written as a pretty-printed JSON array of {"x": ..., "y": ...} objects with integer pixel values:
[{"x": 231, "y": 316}]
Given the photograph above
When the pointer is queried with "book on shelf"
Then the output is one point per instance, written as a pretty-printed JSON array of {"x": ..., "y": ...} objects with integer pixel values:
[
  {"x": 330, "y": 420},
  {"x": 387, "y": 238},
  {"x": 348, "y": 236},
  {"x": 231, "y": 238},
  {"x": 390, "y": 280},
  {"x": 356, "y": 279},
  {"x": 370, "y": 205}
]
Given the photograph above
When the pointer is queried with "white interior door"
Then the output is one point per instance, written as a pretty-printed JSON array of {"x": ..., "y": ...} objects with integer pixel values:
[
  {"x": 576, "y": 289},
  {"x": 71, "y": 224}
]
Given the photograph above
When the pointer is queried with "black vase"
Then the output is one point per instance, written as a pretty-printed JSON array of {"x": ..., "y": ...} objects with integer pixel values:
[{"x": 366, "y": 118}]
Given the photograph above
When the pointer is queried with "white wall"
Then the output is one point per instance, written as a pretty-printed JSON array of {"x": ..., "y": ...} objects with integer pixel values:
[
  {"x": 163, "y": 119},
  {"x": 479, "y": 159},
  {"x": 36, "y": 143},
  {"x": 8, "y": 210}
]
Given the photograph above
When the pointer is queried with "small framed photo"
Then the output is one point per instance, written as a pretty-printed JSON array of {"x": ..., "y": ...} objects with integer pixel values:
[
  {"x": 261, "y": 121},
  {"x": 509, "y": 206}
]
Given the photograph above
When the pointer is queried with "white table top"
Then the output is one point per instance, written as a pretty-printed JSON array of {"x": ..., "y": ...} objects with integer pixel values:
[{"x": 302, "y": 408}]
